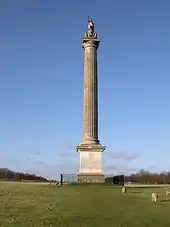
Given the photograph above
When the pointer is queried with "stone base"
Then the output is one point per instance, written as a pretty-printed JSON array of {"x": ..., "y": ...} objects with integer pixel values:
[{"x": 90, "y": 178}]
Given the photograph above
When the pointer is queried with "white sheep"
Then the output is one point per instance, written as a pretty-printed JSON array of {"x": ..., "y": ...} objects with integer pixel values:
[
  {"x": 167, "y": 193},
  {"x": 154, "y": 197},
  {"x": 124, "y": 190}
]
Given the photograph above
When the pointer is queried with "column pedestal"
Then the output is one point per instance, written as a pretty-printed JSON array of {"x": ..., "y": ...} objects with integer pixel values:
[{"x": 90, "y": 163}]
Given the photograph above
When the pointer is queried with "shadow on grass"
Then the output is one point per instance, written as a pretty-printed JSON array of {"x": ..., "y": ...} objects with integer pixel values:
[
  {"x": 165, "y": 200},
  {"x": 136, "y": 192}
]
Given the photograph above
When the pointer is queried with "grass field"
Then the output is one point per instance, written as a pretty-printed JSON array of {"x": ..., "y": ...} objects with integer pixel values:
[{"x": 25, "y": 205}]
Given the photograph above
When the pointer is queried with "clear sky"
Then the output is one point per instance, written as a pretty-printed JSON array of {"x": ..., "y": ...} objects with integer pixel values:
[{"x": 41, "y": 84}]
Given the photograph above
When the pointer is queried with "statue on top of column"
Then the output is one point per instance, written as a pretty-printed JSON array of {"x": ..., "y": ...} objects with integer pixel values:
[{"x": 91, "y": 29}]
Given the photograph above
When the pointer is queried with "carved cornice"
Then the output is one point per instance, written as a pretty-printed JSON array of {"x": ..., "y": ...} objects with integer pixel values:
[
  {"x": 90, "y": 42},
  {"x": 90, "y": 148}
]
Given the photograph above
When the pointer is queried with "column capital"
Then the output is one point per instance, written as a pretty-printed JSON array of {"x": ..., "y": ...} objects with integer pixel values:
[{"x": 90, "y": 42}]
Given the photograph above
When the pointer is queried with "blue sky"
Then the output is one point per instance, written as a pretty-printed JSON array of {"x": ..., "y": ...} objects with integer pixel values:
[{"x": 41, "y": 84}]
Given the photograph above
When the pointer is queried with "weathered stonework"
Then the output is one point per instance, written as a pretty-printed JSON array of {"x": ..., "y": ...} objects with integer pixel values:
[
  {"x": 90, "y": 148},
  {"x": 90, "y": 178}
]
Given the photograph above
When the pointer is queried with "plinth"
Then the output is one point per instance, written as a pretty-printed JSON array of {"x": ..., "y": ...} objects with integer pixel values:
[{"x": 90, "y": 170}]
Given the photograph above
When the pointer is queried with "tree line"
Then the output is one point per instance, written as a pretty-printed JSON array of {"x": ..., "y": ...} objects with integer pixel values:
[
  {"x": 142, "y": 177},
  {"x": 6, "y": 174},
  {"x": 146, "y": 177}
]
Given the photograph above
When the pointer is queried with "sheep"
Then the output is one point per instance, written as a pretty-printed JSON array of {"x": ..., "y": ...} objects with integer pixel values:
[
  {"x": 154, "y": 197},
  {"x": 124, "y": 190},
  {"x": 167, "y": 193}
]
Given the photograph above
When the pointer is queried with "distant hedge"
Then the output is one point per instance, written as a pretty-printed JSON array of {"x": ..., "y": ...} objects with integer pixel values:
[{"x": 6, "y": 174}]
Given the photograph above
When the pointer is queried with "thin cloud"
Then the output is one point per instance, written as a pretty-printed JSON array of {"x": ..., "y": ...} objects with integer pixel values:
[
  {"x": 68, "y": 152},
  {"x": 70, "y": 147},
  {"x": 124, "y": 156},
  {"x": 37, "y": 153},
  {"x": 38, "y": 163},
  {"x": 119, "y": 168}
]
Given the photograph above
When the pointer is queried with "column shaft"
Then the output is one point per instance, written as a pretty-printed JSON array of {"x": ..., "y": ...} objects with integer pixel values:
[{"x": 90, "y": 122}]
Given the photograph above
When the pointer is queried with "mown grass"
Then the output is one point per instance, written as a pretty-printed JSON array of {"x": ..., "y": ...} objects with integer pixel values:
[{"x": 36, "y": 205}]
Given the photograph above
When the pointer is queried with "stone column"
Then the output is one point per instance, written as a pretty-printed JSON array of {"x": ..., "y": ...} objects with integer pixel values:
[
  {"x": 90, "y": 149},
  {"x": 90, "y": 121}
]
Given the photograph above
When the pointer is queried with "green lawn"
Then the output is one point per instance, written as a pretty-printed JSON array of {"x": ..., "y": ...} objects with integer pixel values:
[{"x": 26, "y": 204}]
